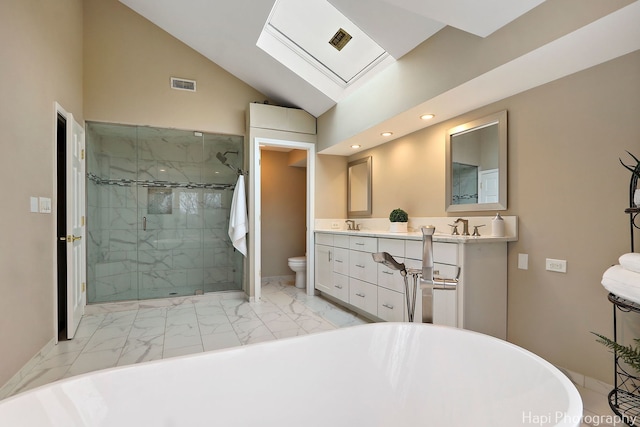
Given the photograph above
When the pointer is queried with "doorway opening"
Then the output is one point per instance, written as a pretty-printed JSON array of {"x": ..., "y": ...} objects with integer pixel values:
[
  {"x": 61, "y": 224},
  {"x": 255, "y": 210}
]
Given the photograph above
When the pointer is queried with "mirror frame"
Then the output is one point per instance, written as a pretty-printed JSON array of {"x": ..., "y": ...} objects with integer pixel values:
[
  {"x": 368, "y": 210},
  {"x": 499, "y": 118}
]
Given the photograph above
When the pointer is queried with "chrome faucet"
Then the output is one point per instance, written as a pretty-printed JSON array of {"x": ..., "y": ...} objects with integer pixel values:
[
  {"x": 351, "y": 224},
  {"x": 465, "y": 226}
]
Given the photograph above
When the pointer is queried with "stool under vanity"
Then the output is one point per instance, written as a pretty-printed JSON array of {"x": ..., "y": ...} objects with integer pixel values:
[{"x": 346, "y": 273}]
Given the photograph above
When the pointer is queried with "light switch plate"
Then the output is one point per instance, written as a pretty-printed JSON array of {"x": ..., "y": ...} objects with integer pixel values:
[
  {"x": 45, "y": 205},
  {"x": 523, "y": 261}
]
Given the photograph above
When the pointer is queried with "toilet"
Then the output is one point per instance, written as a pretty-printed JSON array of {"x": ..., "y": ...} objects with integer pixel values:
[{"x": 299, "y": 265}]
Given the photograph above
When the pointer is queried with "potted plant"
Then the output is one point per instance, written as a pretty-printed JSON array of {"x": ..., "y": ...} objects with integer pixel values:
[{"x": 399, "y": 219}]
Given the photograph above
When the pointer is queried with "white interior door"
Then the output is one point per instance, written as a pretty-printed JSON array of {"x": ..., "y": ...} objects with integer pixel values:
[
  {"x": 489, "y": 186},
  {"x": 76, "y": 241}
]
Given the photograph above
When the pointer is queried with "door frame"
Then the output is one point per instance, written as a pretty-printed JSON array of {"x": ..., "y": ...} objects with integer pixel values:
[
  {"x": 255, "y": 202},
  {"x": 59, "y": 110}
]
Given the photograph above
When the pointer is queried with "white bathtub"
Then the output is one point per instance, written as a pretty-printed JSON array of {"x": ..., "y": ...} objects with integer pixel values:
[{"x": 384, "y": 374}]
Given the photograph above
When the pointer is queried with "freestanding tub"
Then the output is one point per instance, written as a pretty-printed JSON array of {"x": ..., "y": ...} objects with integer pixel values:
[{"x": 384, "y": 374}]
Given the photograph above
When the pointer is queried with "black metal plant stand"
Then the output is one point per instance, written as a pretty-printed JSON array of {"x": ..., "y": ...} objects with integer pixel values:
[{"x": 624, "y": 399}]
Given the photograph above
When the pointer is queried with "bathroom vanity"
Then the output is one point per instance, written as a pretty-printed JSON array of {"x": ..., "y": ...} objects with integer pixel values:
[{"x": 347, "y": 274}]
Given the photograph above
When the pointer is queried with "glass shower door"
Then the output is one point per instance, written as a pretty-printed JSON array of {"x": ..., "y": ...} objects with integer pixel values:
[
  {"x": 170, "y": 218},
  {"x": 158, "y": 213}
]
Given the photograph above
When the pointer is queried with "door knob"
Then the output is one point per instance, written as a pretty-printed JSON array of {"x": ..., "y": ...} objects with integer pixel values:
[{"x": 71, "y": 238}]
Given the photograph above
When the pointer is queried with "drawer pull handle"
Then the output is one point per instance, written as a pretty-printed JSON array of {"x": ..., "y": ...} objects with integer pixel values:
[
  {"x": 388, "y": 272},
  {"x": 338, "y": 261},
  {"x": 360, "y": 265},
  {"x": 359, "y": 244},
  {"x": 360, "y": 295},
  {"x": 338, "y": 286},
  {"x": 389, "y": 306}
]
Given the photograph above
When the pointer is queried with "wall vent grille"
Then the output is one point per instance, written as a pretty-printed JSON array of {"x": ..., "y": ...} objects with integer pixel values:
[{"x": 183, "y": 84}]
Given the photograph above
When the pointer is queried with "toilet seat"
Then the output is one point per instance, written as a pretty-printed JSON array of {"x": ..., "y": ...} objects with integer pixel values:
[{"x": 298, "y": 259}]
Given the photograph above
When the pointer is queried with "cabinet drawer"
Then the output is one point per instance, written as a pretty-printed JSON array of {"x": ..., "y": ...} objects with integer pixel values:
[
  {"x": 341, "y": 260},
  {"x": 362, "y": 266},
  {"x": 444, "y": 271},
  {"x": 363, "y": 295},
  {"x": 340, "y": 287},
  {"x": 390, "y": 279},
  {"x": 393, "y": 246},
  {"x": 391, "y": 305},
  {"x": 445, "y": 253},
  {"x": 367, "y": 244},
  {"x": 413, "y": 249},
  {"x": 341, "y": 241},
  {"x": 324, "y": 239}
]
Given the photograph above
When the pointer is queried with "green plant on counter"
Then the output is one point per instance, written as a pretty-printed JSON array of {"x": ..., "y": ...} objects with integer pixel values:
[
  {"x": 398, "y": 215},
  {"x": 629, "y": 354}
]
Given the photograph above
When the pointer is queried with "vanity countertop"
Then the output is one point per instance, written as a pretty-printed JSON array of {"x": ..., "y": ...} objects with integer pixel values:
[{"x": 417, "y": 235}]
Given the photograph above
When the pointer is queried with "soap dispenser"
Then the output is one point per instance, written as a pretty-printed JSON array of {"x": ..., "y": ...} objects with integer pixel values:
[{"x": 497, "y": 226}]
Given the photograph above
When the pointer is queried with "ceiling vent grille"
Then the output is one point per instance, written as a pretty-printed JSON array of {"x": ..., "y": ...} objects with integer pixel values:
[
  {"x": 183, "y": 84},
  {"x": 340, "y": 39}
]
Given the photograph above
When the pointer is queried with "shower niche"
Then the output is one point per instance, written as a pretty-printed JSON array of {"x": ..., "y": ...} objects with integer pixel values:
[{"x": 158, "y": 205}]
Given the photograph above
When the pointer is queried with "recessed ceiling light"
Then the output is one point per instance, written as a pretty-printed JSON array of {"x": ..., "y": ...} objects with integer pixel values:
[
  {"x": 356, "y": 146},
  {"x": 386, "y": 133},
  {"x": 427, "y": 116}
]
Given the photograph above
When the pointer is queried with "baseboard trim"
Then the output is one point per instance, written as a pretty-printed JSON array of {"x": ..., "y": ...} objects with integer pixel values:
[
  {"x": 13, "y": 382},
  {"x": 587, "y": 382}
]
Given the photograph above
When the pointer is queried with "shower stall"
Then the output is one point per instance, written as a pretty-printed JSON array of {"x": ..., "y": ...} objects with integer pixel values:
[{"x": 158, "y": 204}]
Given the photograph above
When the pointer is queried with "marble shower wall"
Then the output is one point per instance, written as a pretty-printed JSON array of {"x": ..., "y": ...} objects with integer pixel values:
[{"x": 158, "y": 212}]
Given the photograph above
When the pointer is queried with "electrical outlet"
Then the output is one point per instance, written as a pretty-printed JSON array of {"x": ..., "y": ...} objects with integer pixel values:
[
  {"x": 557, "y": 265},
  {"x": 335, "y": 225}
]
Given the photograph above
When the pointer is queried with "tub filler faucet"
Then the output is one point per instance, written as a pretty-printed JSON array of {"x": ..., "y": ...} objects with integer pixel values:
[
  {"x": 425, "y": 275},
  {"x": 428, "y": 282}
]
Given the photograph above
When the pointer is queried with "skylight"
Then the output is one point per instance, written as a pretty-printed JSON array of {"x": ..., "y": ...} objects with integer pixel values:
[{"x": 317, "y": 42}]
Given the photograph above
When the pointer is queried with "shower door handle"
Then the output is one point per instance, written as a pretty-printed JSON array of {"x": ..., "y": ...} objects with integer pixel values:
[{"x": 144, "y": 223}]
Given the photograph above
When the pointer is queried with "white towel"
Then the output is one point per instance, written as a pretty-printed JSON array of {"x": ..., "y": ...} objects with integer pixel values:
[
  {"x": 238, "y": 221},
  {"x": 622, "y": 282},
  {"x": 631, "y": 261}
]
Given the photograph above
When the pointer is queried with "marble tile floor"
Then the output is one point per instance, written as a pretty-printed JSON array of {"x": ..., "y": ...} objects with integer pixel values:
[{"x": 118, "y": 334}]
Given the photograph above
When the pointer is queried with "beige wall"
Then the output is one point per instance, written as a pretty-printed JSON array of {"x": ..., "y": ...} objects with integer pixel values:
[
  {"x": 284, "y": 198},
  {"x": 331, "y": 186},
  {"x": 568, "y": 190},
  {"x": 128, "y": 63},
  {"x": 41, "y": 63}
]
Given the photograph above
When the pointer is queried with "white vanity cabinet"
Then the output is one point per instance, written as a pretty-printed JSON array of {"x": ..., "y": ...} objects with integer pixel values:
[
  {"x": 345, "y": 270},
  {"x": 324, "y": 263}
]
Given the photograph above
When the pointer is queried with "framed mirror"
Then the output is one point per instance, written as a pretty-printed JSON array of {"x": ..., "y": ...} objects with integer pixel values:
[
  {"x": 476, "y": 165},
  {"x": 359, "y": 187}
]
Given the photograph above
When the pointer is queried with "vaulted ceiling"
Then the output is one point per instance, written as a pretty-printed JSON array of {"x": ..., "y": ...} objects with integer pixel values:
[
  {"x": 232, "y": 35},
  {"x": 227, "y": 32}
]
